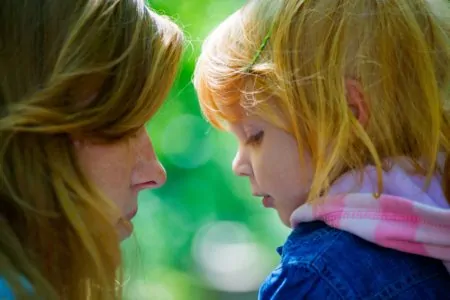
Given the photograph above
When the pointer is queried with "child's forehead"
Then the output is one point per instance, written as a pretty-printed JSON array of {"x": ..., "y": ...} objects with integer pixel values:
[{"x": 248, "y": 122}]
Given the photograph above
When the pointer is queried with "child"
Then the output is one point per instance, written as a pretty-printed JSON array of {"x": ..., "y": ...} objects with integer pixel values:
[
  {"x": 79, "y": 80},
  {"x": 341, "y": 111}
]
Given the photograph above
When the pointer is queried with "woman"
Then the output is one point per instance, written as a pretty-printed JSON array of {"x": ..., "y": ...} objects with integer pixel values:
[{"x": 78, "y": 81}]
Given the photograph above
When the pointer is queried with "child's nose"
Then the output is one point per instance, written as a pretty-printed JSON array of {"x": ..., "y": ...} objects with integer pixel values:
[{"x": 240, "y": 165}]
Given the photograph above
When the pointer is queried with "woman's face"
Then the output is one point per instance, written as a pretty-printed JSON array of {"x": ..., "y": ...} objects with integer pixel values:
[{"x": 120, "y": 171}]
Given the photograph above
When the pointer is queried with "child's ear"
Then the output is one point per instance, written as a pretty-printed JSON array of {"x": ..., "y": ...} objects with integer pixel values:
[{"x": 356, "y": 101}]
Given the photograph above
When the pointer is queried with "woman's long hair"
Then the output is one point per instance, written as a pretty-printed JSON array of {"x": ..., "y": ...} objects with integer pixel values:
[{"x": 97, "y": 69}]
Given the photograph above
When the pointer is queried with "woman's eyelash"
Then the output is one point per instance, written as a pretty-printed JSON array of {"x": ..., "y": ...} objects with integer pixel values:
[{"x": 255, "y": 139}]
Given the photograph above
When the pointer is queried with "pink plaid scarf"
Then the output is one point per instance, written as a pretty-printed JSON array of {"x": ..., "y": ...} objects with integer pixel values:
[{"x": 404, "y": 217}]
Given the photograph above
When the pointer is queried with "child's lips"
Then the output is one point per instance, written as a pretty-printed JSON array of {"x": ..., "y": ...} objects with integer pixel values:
[{"x": 268, "y": 202}]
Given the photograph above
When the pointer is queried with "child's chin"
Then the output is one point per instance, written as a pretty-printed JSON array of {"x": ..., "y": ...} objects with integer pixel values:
[{"x": 285, "y": 218}]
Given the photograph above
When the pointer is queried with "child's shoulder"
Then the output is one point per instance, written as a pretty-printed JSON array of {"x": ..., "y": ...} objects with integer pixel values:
[{"x": 320, "y": 262}]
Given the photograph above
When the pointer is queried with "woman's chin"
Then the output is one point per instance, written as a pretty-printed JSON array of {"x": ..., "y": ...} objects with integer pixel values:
[{"x": 125, "y": 229}]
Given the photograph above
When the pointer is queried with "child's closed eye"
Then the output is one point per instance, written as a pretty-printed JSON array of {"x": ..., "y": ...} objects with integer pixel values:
[{"x": 255, "y": 139}]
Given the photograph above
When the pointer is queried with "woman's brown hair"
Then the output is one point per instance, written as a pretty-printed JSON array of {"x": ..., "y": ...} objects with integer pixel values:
[{"x": 98, "y": 69}]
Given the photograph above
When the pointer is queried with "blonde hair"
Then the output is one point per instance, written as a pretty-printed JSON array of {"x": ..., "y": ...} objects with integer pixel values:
[
  {"x": 397, "y": 50},
  {"x": 97, "y": 69}
]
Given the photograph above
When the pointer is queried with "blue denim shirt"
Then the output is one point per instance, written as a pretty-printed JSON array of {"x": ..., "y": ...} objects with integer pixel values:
[{"x": 320, "y": 262}]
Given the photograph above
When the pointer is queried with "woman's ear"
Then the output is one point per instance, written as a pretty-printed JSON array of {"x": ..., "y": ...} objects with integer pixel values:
[{"x": 356, "y": 101}]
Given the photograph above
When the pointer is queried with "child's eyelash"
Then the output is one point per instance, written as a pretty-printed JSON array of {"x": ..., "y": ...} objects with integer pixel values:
[{"x": 255, "y": 139}]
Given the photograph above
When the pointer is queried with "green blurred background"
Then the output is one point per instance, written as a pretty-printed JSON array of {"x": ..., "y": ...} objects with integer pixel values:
[{"x": 202, "y": 236}]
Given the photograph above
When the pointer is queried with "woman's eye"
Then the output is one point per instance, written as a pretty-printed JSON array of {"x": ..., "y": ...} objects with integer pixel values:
[
  {"x": 133, "y": 135},
  {"x": 255, "y": 139}
]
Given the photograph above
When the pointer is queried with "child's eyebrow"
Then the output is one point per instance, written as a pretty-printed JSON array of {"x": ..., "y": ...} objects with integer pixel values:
[{"x": 252, "y": 124}]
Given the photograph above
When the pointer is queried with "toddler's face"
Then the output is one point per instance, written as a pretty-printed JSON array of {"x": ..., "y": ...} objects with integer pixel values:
[{"x": 269, "y": 157}]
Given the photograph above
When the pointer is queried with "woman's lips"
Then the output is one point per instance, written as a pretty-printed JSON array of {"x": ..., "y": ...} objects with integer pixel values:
[
  {"x": 131, "y": 214},
  {"x": 144, "y": 185}
]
